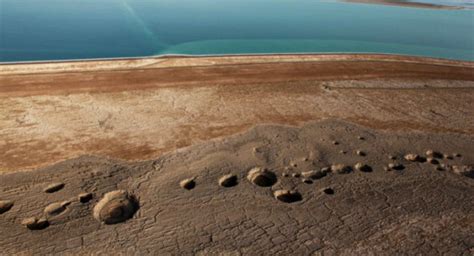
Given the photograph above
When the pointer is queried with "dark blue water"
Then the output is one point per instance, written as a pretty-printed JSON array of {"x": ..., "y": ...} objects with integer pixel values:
[{"x": 80, "y": 29}]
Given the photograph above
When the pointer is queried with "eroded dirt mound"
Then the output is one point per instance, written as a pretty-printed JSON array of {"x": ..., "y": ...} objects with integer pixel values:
[{"x": 273, "y": 190}]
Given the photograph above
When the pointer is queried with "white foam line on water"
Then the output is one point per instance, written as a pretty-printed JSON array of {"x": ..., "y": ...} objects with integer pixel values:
[{"x": 147, "y": 31}]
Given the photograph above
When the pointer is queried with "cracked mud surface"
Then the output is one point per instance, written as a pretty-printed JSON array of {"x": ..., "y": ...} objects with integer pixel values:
[
  {"x": 417, "y": 210},
  {"x": 55, "y": 111}
]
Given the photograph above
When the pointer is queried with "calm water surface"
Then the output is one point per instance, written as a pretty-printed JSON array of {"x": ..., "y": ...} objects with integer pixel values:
[{"x": 79, "y": 29}]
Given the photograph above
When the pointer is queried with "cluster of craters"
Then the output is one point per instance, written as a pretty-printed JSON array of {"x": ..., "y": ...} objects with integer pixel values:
[
  {"x": 436, "y": 159},
  {"x": 119, "y": 205},
  {"x": 115, "y": 206},
  {"x": 266, "y": 177}
]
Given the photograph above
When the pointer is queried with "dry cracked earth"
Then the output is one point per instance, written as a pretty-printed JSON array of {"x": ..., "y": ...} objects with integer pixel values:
[{"x": 326, "y": 188}]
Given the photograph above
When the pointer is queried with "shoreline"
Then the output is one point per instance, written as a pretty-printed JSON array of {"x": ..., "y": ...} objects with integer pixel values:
[
  {"x": 162, "y": 61},
  {"x": 197, "y": 56}
]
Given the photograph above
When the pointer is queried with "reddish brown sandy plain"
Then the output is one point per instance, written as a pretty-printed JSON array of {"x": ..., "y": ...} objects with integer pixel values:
[{"x": 141, "y": 108}]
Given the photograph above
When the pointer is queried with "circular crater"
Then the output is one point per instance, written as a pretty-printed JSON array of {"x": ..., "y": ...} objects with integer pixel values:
[
  {"x": 363, "y": 167},
  {"x": 35, "y": 224},
  {"x": 341, "y": 168},
  {"x": 396, "y": 166},
  {"x": 116, "y": 206},
  {"x": 56, "y": 208},
  {"x": 5, "y": 206},
  {"x": 288, "y": 196},
  {"x": 85, "y": 197},
  {"x": 54, "y": 187},
  {"x": 315, "y": 175},
  {"x": 262, "y": 177},
  {"x": 228, "y": 181},
  {"x": 328, "y": 191},
  {"x": 188, "y": 184}
]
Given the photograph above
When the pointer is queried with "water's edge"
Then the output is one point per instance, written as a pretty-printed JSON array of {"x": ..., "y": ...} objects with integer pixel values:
[{"x": 420, "y": 58}]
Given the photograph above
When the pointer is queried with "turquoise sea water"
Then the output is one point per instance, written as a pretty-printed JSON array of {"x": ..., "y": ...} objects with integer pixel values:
[{"x": 33, "y": 30}]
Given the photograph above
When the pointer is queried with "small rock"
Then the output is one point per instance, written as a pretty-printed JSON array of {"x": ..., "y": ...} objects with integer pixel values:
[
  {"x": 464, "y": 170},
  {"x": 434, "y": 154},
  {"x": 414, "y": 158},
  {"x": 360, "y": 153},
  {"x": 85, "y": 197},
  {"x": 54, "y": 187},
  {"x": 392, "y": 157},
  {"x": 285, "y": 174},
  {"x": 35, "y": 224},
  {"x": 313, "y": 174},
  {"x": 335, "y": 142},
  {"x": 341, "y": 168},
  {"x": 55, "y": 209},
  {"x": 432, "y": 160},
  {"x": 343, "y": 152},
  {"x": 360, "y": 138},
  {"x": 363, "y": 167},
  {"x": 457, "y": 155},
  {"x": 228, "y": 181},
  {"x": 5, "y": 206},
  {"x": 296, "y": 175},
  {"x": 386, "y": 168},
  {"x": 188, "y": 184},
  {"x": 440, "y": 168},
  {"x": 307, "y": 181},
  {"x": 396, "y": 166}
]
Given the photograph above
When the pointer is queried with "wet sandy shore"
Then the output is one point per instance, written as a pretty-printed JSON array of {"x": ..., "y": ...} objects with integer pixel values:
[{"x": 140, "y": 109}]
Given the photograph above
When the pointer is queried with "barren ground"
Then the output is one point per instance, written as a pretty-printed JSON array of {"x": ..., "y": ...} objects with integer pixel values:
[
  {"x": 140, "y": 109},
  {"x": 417, "y": 210},
  {"x": 144, "y": 126}
]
